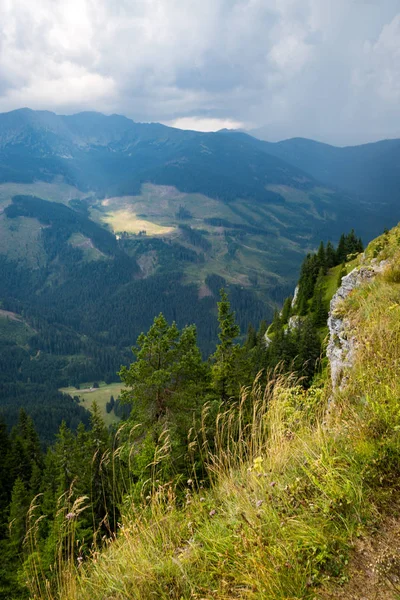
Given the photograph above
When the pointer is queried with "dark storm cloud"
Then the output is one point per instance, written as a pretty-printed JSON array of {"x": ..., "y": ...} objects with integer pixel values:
[{"x": 328, "y": 69}]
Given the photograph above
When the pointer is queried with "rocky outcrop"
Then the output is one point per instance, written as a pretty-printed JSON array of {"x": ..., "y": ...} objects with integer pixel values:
[
  {"x": 342, "y": 343},
  {"x": 294, "y": 322},
  {"x": 295, "y": 295},
  {"x": 267, "y": 340}
]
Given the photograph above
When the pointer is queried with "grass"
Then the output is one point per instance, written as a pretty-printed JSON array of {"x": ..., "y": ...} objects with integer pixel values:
[
  {"x": 294, "y": 486},
  {"x": 101, "y": 396},
  {"x": 296, "y": 479},
  {"x": 126, "y": 220}
]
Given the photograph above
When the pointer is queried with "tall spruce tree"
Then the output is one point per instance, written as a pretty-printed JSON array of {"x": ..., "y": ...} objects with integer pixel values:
[
  {"x": 321, "y": 258},
  {"x": 225, "y": 360},
  {"x": 330, "y": 255}
]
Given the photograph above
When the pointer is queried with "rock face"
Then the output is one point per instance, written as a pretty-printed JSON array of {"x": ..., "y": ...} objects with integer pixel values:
[
  {"x": 267, "y": 340},
  {"x": 295, "y": 295},
  {"x": 342, "y": 344},
  {"x": 294, "y": 322}
]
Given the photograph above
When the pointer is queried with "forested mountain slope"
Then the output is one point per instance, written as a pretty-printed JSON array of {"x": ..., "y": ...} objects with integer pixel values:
[
  {"x": 105, "y": 223},
  {"x": 273, "y": 490},
  {"x": 369, "y": 170}
]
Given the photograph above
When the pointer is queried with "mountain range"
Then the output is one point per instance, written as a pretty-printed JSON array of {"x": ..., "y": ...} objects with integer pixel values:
[{"x": 105, "y": 222}]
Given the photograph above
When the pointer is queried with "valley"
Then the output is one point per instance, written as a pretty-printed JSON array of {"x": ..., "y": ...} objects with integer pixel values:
[
  {"x": 105, "y": 223},
  {"x": 101, "y": 395}
]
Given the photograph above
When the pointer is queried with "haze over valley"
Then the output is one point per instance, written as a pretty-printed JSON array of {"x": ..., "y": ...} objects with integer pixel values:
[
  {"x": 199, "y": 296},
  {"x": 106, "y": 222}
]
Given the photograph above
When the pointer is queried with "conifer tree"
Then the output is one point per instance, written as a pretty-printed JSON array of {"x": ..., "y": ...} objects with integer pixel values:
[
  {"x": 168, "y": 366},
  {"x": 309, "y": 351},
  {"x": 318, "y": 308},
  {"x": 321, "y": 258},
  {"x": 226, "y": 357},
  {"x": 276, "y": 324},
  {"x": 330, "y": 255},
  {"x": 5, "y": 480},
  {"x": 262, "y": 328},
  {"x": 251, "y": 339},
  {"x": 17, "y": 520},
  {"x": 341, "y": 251},
  {"x": 286, "y": 310}
]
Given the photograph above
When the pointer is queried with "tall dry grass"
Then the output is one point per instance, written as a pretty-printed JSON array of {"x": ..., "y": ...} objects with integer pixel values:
[{"x": 291, "y": 489}]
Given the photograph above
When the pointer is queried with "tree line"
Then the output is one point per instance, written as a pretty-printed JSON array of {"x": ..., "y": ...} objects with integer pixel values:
[{"x": 80, "y": 482}]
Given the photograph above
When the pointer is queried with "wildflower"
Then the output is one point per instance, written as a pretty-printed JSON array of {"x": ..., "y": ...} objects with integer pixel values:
[
  {"x": 202, "y": 499},
  {"x": 190, "y": 481},
  {"x": 259, "y": 503},
  {"x": 257, "y": 463},
  {"x": 212, "y": 512},
  {"x": 70, "y": 515},
  {"x": 273, "y": 483}
]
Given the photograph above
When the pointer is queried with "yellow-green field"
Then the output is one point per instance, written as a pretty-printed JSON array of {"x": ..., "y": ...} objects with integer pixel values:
[
  {"x": 126, "y": 220},
  {"x": 99, "y": 395}
]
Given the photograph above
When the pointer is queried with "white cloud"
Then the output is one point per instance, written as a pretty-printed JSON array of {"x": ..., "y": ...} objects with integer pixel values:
[
  {"x": 305, "y": 67},
  {"x": 205, "y": 124}
]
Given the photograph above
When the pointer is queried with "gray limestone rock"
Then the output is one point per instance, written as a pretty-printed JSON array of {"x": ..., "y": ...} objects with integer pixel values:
[{"x": 342, "y": 344}]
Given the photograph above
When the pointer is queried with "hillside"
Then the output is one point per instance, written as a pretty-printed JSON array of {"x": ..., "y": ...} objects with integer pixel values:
[
  {"x": 304, "y": 482},
  {"x": 105, "y": 223},
  {"x": 369, "y": 170}
]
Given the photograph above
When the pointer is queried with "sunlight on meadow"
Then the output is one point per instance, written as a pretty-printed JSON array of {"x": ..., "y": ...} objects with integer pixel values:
[{"x": 125, "y": 220}]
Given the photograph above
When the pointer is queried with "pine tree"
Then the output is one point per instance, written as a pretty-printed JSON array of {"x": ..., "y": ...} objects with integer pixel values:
[
  {"x": 17, "y": 520},
  {"x": 168, "y": 365},
  {"x": 262, "y": 328},
  {"x": 286, "y": 310},
  {"x": 226, "y": 357},
  {"x": 309, "y": 351},
  {"x": 5, "y": 479},
  {"x": 321, "y": 258},
  {"x": 276, "y": 324},
  {"x": 341, "y": 251},
  {"x": 98, "y": 452},
  {"x": 330, "y": 255},
  {"x": 318, "y": 308},
  {"x": 251, "y": 339}
]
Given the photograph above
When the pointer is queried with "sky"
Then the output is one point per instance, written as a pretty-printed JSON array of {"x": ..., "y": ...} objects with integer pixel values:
[{"x": 323, "y": 69}]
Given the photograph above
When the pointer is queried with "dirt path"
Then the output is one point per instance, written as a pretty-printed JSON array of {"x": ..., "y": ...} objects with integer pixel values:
[{"x": 374, "y": 572}]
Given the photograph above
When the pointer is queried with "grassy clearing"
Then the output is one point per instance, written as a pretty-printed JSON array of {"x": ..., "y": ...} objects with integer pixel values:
[
  {"x": 161, "y": 202},
  {"x": 126, "y": 220},
  {"x": 101, "y": 396}
]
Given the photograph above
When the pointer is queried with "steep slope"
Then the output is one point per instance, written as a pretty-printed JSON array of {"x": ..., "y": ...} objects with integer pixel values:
[{"x": 297, "y": 490}]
